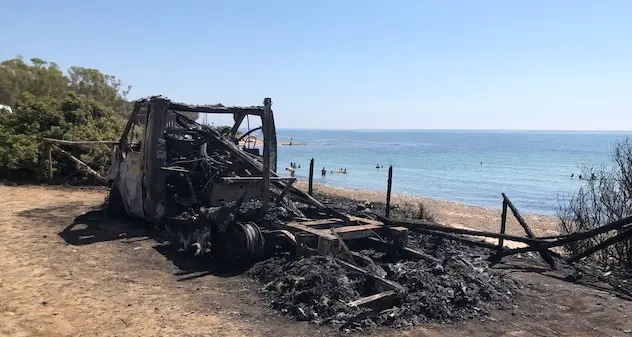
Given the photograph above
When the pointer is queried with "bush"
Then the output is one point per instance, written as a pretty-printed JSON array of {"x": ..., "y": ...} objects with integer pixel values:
[
  {"x": 419, "y": 211},
  {"x": 83, "y": 105},
  {"x": 605, "y": 197}
]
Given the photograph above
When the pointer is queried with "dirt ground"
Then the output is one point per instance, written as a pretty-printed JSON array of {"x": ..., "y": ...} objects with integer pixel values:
[{"x": 67, "y": 270}]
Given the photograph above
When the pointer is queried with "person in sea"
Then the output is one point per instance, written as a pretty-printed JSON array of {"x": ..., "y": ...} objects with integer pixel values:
[
  {"x": 377, "y": 166},
  {"x": 323, "y": 172}
]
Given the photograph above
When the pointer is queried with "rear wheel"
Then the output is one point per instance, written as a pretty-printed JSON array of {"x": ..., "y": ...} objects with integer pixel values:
[{"x": 241, "y": 244}]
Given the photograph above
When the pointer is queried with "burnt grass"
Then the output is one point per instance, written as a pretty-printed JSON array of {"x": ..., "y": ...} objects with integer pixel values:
[{"x": 459, "y": 287}]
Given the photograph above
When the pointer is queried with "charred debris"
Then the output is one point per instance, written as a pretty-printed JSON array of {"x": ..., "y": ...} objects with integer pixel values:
[
  {"x": 215, "y": 196},
  {"x": 324, "y": 262}
]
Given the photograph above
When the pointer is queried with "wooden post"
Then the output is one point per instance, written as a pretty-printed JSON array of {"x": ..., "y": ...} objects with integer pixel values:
[
  {"x": 267, "y": 104},
  {"x": 311, "y": 177},
  {"x": 80, "y": 164},
  {"x": 503, "y": 225},
  {"x": 50, "y": 163},
  {"x": 546, "y": 256},
  {"x": 388, "y": 191},
  {"x": 287, "y": 187},
  {"x": 80, "y": 142}
]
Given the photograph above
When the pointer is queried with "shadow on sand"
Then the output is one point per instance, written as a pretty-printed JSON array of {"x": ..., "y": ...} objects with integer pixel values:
[{"x": 95, "y": 226}]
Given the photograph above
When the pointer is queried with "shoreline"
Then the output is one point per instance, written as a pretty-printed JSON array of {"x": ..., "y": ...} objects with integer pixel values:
[
  {"x": 259, "y": 142},
  {"x": 449, "y": 213}
]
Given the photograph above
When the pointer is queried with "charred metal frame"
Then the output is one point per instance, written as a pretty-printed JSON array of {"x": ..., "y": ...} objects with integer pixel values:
[
  {"x": 139, "y": 171},
  {"x": 153, "y": 146}
]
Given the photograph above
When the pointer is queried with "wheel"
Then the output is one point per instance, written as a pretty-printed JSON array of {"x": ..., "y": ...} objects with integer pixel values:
[
  {"x": 115, "y": 205},
  {"x": 255, "y": 241},
  {"x": 241, "y": 244}
]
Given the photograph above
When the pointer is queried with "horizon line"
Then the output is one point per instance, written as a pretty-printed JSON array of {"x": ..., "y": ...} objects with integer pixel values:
[{"x": 486, "y": 130}]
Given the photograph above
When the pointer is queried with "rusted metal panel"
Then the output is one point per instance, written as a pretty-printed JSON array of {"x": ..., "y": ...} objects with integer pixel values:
[
  {"x": 227, "y": 192},
  {"x": 129, "y": 182},
  {"x": 157, "y": 112},
  {"x": 272, "y": 140},
  {"x": 113, "y": 170},
  {"x": 155, "y": 158}
]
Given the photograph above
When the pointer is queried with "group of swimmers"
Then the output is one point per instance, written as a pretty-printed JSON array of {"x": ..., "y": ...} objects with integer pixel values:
[
  {"x": 292, "y": 168},
  {"x": 323, "y": 172},
  {"x": 592, "y": 176}
]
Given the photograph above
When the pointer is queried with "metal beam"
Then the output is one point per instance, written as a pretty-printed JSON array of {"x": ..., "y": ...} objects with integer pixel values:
[{"x": 267, "y": 107}]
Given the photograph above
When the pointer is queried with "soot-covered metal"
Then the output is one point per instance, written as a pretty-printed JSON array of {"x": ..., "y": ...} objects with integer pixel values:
[{"x": 214, "y": 196}]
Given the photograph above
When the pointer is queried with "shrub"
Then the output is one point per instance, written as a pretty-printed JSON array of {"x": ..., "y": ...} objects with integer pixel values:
[
  {"x": 83, "y": 105},
  {"x": 605, "y": 197}
]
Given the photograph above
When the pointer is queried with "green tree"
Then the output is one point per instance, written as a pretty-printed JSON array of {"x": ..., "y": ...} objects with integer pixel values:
[
  {"x": 83, "y": 105},
  {"x": 102, "y": 88},
  {"x": 223, "y": 129},
  {"x": 40, "y": 78}
]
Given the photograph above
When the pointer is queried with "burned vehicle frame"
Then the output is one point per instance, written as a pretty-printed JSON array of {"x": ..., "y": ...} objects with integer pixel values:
[
  {"x": 166, "y": 164},
  {"x": 212, "y": 195}
]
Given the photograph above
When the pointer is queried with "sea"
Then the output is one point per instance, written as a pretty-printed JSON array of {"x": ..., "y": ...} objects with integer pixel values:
[{"x": 533, "y": 168}]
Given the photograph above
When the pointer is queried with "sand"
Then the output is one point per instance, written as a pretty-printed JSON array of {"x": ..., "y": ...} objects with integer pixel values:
[
  {"x": 65, "y": 271},
  {"x": 450, "y": 213}
]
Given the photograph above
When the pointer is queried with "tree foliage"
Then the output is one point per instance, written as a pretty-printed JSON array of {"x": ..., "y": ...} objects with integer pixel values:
[
  {"x": 47, "y": 102},
  {"x": 223, "y": 129},
  {"x": 605, "y": 197},
  {"x": 83, "y": 104}
]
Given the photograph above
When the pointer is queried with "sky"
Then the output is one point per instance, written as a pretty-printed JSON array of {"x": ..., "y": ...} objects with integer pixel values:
[{"x": 350, "y": 64}]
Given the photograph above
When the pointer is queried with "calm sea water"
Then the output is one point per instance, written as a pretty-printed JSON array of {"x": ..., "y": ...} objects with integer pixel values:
[{"x": 473, "y": 167}]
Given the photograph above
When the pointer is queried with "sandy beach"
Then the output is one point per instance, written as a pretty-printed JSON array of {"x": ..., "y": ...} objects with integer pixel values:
[{"x": 449, "y": 213}]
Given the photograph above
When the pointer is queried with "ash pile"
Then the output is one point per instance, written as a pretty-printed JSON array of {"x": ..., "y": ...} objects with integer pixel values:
[
  {"x": 459, "y": 286},
  {"x": 324, "y": 263}
]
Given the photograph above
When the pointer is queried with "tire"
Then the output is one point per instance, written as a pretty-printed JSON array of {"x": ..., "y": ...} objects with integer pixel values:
[
  {"x": 241, "y": 245},
  {"x": 115, "y": 208}
]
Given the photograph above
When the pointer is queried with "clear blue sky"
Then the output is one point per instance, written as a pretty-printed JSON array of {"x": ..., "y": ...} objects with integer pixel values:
[{"x": 347, "y": 64}]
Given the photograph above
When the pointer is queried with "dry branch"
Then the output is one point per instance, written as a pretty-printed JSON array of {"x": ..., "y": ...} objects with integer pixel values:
[
  {"x": 81, "y": 142},
  {"x": 571, "y": 238},
  {"x": 424, "y": 224},
  {"x": 603, "y": 245},
  {"x": 81, "y": 164}
]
